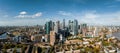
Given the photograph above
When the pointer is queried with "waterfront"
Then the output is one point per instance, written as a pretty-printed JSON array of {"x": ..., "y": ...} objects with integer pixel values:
[
  {"x": 3, "y": 36},
  {"x": 117, "y": 35}
]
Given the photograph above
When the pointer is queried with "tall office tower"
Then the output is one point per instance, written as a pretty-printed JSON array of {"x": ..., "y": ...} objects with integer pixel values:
[
  {"x": 70, "y": 26},
  {"x": 57, "y": 27},
  {"x": 79, "y": 29},
  {"x": 47, "y": 27},
  {"x": 75, "y": 27},
  {"x": 63, "y": 24},
  {"x": 52, "y": 37},
  {"x": 84, "y": 29},
  {"x": 51, "y": 25}
]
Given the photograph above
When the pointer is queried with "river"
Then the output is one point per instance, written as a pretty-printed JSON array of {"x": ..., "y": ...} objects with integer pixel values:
[
  {"x": 117, "y": 35},
  {"x": 3, "y": 36}
]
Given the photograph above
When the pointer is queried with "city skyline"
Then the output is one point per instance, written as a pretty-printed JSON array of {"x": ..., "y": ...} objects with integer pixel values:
[{"x": 33, "y": 12}]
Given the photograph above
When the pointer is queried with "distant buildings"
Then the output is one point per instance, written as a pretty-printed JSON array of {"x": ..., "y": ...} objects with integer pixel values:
[{"x": 95, "y": 31}]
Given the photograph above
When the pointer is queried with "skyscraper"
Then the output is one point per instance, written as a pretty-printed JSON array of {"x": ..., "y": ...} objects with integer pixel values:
[
  {"x": 57, "y": 26},
  {"x": 47, "y": 27},
  {"x": 75, "y": 27},
  {"x": 70, "y": 26},
  {"x": 84, "y": 29},
  {"x": 51, "y": 25},
  {"x": 63, "y": 24}
]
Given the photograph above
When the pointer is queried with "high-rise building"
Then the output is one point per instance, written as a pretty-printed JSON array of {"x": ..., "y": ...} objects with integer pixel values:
[
  {"x": 70, "y": 26},
  {"x": 51, "y": 25},
  {"x": 79, "y": 29},
  {"x": 75, "y": 27},
  {"x": 47, "y": 27},
  {"x": 57, "y": 27},
  {"x": 63, "y": 24},
  {"x": 52, "y": 37},
  {"x": 84, "y": 29}
]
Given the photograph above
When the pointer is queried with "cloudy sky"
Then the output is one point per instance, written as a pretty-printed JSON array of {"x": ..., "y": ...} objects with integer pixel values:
[{"x": 32, "y": 12}]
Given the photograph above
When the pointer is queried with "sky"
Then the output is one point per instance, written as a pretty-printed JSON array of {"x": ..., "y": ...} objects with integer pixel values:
[{"x": 33, "y": 12}]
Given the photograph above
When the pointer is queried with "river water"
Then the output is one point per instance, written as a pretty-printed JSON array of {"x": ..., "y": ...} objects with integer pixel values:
[
  {"x": 117, "y": 35},
  {"x": 3, "y": 36}
]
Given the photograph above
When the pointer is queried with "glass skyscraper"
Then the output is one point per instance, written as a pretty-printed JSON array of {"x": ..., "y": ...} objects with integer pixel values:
[
  {"x": 63, "y": 26},
  {"x": 75, "y": 27},
  {"x": 47, "y": 25}
]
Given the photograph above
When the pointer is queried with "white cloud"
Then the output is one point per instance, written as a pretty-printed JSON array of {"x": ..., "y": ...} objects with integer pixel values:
[
  {"x": 90, "y": 15},
  {"x": 64, "y": 13},
  {"x": 24, "y": 15},
  {"x": 38, "y": 14},
  {"x": 23, "y": 12},
  {"x": 105, "y": 18}
]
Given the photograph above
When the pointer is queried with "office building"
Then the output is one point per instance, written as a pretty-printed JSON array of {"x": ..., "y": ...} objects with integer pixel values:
[
  {"x": 84, "y": 29},
  {"x": 70, "y": 26},
  {"x": 52, "y": 37},
  {"x": 63, "y": 24},
  {"x": 49, "y": 26},
  {"x": 75, "y": 27},
  {"x": 57, "y": 26}
]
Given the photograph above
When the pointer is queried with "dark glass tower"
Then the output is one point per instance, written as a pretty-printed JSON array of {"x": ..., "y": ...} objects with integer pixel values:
[{"x": 75, "y": 27}]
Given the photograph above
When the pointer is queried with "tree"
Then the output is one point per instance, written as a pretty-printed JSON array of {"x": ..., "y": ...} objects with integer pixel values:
[{"x": 15, "y": 51}]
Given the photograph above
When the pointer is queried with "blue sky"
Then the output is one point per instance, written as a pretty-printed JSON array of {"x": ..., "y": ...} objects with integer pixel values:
[{"x": 32, "y": 12}]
